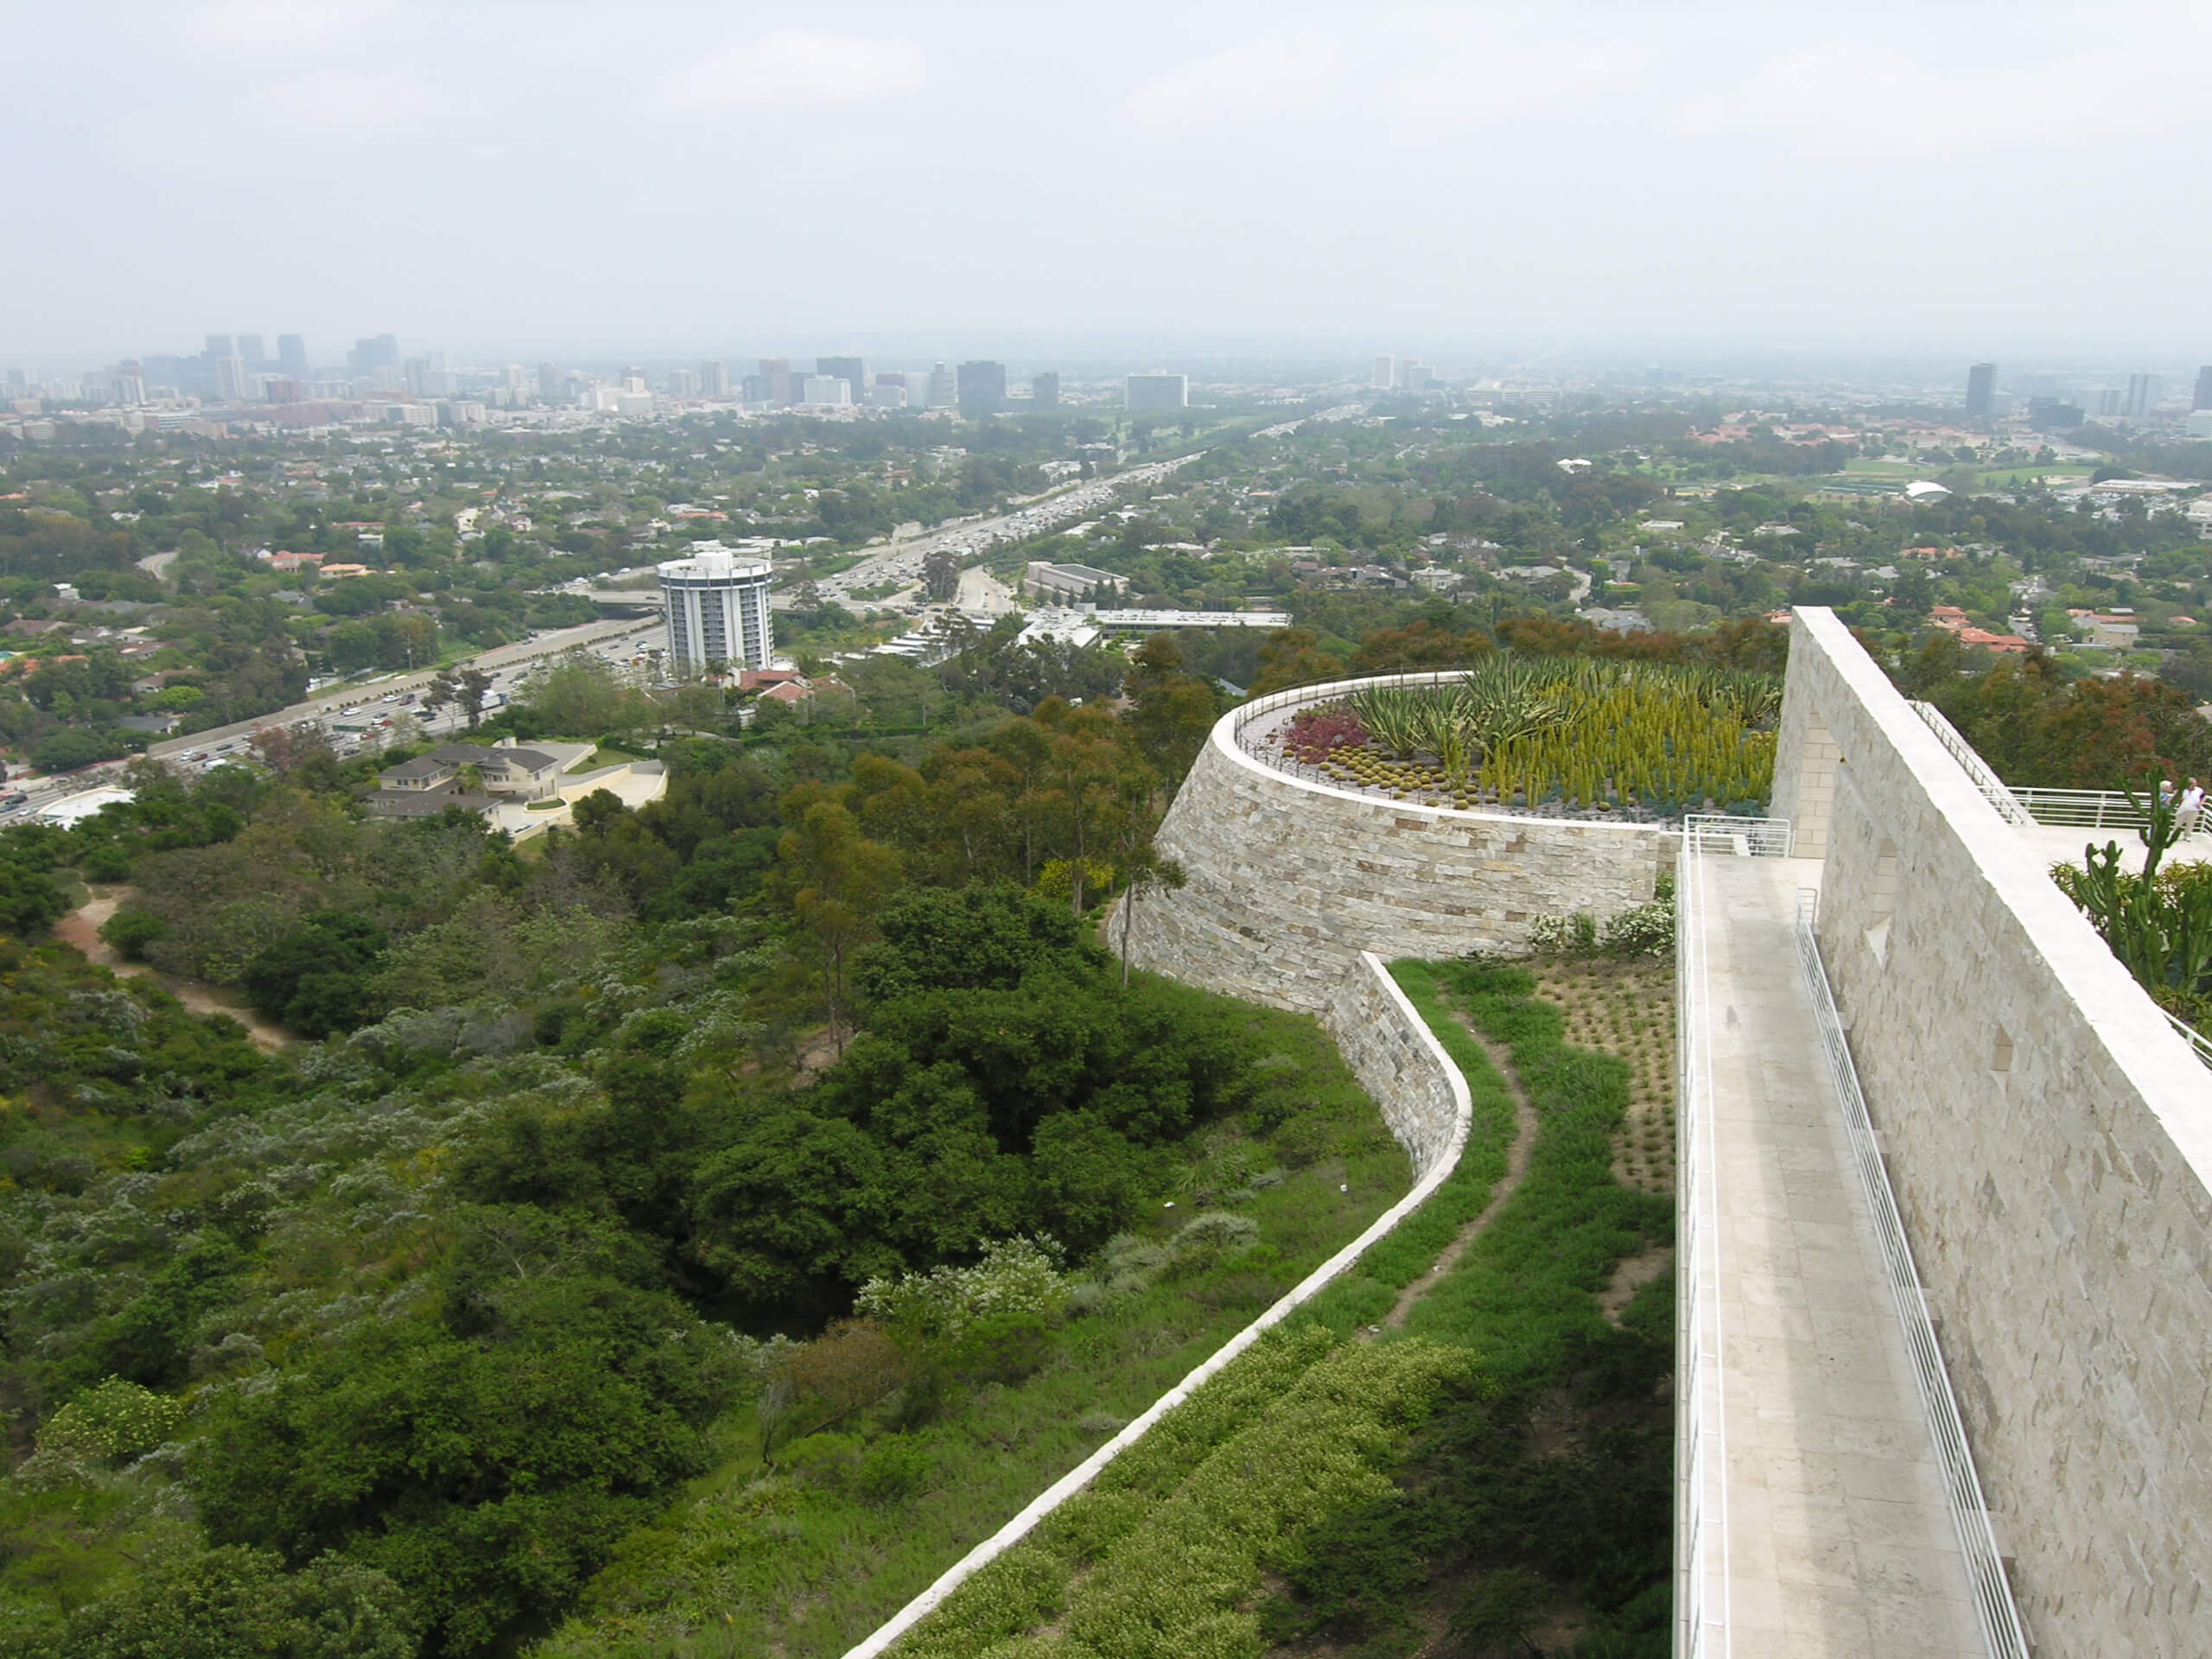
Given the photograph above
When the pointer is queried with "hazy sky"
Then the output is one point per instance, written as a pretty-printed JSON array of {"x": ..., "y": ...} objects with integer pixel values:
[{"x": 525, "y": 180}]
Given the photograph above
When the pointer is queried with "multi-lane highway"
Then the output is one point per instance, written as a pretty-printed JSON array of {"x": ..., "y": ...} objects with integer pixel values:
[
  {"x": 902, "y": 562},
  {"x": 372, "y": 700}
]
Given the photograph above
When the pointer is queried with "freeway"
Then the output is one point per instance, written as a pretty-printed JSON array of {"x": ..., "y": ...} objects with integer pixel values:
[
  {"x": 328, "y": 703},
  {"x": 505, "y": 663},
  {"x": 902, "y": 562}
]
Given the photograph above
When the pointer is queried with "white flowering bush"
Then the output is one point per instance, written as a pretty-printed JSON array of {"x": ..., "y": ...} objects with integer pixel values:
[
  {"x": 1559, "y": 934},
  {"x": 1016, "y": 1275},
  {"x": 1646, "y": 930},
  {"x": 108, "y": 1424}
]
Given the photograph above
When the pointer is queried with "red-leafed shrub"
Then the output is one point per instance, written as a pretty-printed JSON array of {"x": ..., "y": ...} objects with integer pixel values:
[{"x": 1315, "y": 734}]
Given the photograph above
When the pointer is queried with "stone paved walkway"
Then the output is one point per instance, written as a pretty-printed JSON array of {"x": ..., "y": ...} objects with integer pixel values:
[{"x": 1839, "y": 1540}]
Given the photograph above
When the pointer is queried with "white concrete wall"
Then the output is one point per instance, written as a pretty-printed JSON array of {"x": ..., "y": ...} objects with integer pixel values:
[
  {"x": 2049, "y": 1141},
  {"x": 1289, "y": 879}
]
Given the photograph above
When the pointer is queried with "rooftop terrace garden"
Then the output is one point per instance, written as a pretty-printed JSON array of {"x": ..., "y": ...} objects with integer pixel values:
[{"x": 1576, "y": 736}]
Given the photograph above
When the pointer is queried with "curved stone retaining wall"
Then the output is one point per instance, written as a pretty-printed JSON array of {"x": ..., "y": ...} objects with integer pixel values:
[
  {"x": 1424, "y": 1100},
  {"x": 1288, "y": 879}
]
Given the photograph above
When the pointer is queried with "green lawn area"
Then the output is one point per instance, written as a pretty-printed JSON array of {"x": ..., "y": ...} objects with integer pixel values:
[{"x": 602, "y": 756}]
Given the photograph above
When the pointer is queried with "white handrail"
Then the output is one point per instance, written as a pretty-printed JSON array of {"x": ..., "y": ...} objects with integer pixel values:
[
  {"x": 1701, "y": 1595},
  {"x": 2199, "y": 1044},
  {"x": 1992, "y": 1593},
  {"x": 2083, "y": 809},
  {"x": 1993, "y": 788},
  {"x": 1720, "y": 832}
]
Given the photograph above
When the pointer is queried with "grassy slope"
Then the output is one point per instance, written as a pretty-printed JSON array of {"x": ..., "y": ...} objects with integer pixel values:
[
  {"x": 802, "y": 1564},
  {"x": 1163, "y": 1555}
]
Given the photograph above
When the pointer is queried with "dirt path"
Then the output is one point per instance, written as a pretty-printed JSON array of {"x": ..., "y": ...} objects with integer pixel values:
[
  {"x": 1516, "y": 1167},
  {"x": 81, "y": 927}
]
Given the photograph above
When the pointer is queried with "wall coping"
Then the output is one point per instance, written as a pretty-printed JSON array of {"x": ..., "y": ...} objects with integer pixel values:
[
  {"x": 1227, "y": 729},
  {"x": 1082, "y": 1474}
]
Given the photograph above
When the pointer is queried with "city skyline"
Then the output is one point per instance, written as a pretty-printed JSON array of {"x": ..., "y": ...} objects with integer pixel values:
[{"x": 1463, "y": 179}]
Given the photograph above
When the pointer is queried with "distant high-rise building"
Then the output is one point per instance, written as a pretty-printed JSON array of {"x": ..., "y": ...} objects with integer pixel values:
[
  {"x": 2142, "y": 395},
  {"x": 633, "y": 378},
  {"x": 828, "y": 388},
  {"x": 129, "y": 383},
  {"x": 777, "y": 371},
  {"x": 1981, "y": 383},
  {"x": 220, "y": 345},
  {"x": 1044, "y": 388},
  {"x": 549, "y": 383},
  {"x": 1157, "y": 390},
  {"x": 283, "y": 389},
  {"x": 2204, "y": 399},
  {"x": 850, "y": 370},
  {"x": 944, "y": 388},
  {"x": 713, "y": 377},
  {"x": 718, "y": 608},
  {"x": 683, "y": 382},
  {"x": 1414, "y": 375},
  {"x": 232, "y": 384},
  {"x": 981, "y": 388},
  {"x": 889, "y": 391},
  {"x": 292, "y": 357},
  {"x": 369, "y": 355},
  {"x": 250, "y": 349},
  {"x": 1385, "y": 374}
]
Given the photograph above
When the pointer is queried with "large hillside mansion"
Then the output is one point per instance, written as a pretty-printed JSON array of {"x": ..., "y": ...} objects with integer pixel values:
[{"x": 427, "y": 785}]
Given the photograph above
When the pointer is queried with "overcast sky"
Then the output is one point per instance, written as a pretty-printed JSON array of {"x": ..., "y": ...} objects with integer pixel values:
[{"x": 642, "y": 178}]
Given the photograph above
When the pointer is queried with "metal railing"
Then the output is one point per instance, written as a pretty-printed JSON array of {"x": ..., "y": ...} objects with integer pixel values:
[
  {"x": 2083, "y": 809},
  {"x": 1701, "y": 1604},
  {"x": 1994, "y": 789},
  {"x": 1993, "y": 1594},
  {"x": 2199, "y": 1044},
  {"x": 1717, "y": 832}
]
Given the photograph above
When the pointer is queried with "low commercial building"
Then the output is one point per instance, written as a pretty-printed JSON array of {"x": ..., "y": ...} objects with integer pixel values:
[{"x": 1069, "y": 583}]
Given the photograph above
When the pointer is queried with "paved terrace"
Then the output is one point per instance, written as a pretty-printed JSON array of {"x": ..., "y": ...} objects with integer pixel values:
[{"x": 1826, "y": 1529}]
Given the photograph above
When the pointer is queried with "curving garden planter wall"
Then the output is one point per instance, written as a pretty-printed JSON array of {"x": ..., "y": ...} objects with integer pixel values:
[{"x": 1288, "y": 879}]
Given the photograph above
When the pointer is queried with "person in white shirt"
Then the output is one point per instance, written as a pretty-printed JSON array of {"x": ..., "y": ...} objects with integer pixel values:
[{"x": 2191, "y": 808}]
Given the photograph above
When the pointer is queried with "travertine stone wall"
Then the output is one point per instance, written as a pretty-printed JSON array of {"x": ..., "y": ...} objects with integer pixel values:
[
  {"x": 2050, "y": 1142},
  {"x": 1288, "y": 881},
  {"x": 1398, "y": 1062}
]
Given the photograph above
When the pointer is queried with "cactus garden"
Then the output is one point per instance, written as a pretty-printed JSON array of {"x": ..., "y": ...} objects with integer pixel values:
[{"x": 1577, "y": 734}]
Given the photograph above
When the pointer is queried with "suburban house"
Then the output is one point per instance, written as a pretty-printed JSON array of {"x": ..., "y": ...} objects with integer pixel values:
[{"x": 427, "y": 785}]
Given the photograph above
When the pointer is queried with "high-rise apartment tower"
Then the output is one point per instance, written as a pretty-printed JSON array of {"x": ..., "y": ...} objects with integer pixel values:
[{"x": 718, "y": 608}]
